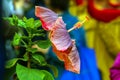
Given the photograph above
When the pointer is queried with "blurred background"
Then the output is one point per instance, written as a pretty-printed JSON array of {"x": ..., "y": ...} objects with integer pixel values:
[{"x": 102, "y": 31}]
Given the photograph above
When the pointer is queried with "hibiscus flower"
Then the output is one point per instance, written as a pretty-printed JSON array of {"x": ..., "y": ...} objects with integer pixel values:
[{"x": 63, "y": 46}]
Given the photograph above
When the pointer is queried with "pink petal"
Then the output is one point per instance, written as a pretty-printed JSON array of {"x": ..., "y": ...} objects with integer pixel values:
[
  {"x": 70, "y": 57},
  {"x": 61, "y": 54},
  {"x": 72, "y": 60},
  {"x": 47, "y": 17},
  {"x": 64, "y": 47},
  {"x": 59, "y": 35}
]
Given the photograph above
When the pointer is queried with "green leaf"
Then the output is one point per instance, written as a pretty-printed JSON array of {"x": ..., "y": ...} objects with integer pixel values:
[
  {"x": 32, "y": 50},
  {"x": 24, "y": 19},
  {"x": 24, "y": 73},
  {"x": 30, "y": 23},
  {"x": 54, "y": 69},
  {"x": 44, "y": 44},
  {"x": 40, "y": 59},
  {"x": 15, "y": 17},
  {"x": 16, "y": 39},
  {"x": 37, "y": 23},
  {"x": 48, "y": 75},
  {"x": 11, "y": 63},
  {"x": 26, "y": 56},
  {"x": 10, "y": 20},
  {"x": 21, "y": 24}
]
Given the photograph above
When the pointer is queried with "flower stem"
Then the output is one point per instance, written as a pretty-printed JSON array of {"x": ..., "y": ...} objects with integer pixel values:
[{"x": 28, "y": 63}]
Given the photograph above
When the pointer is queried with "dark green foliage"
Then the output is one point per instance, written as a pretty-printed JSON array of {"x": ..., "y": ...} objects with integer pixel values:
[{"x": 30, "y": 57}]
